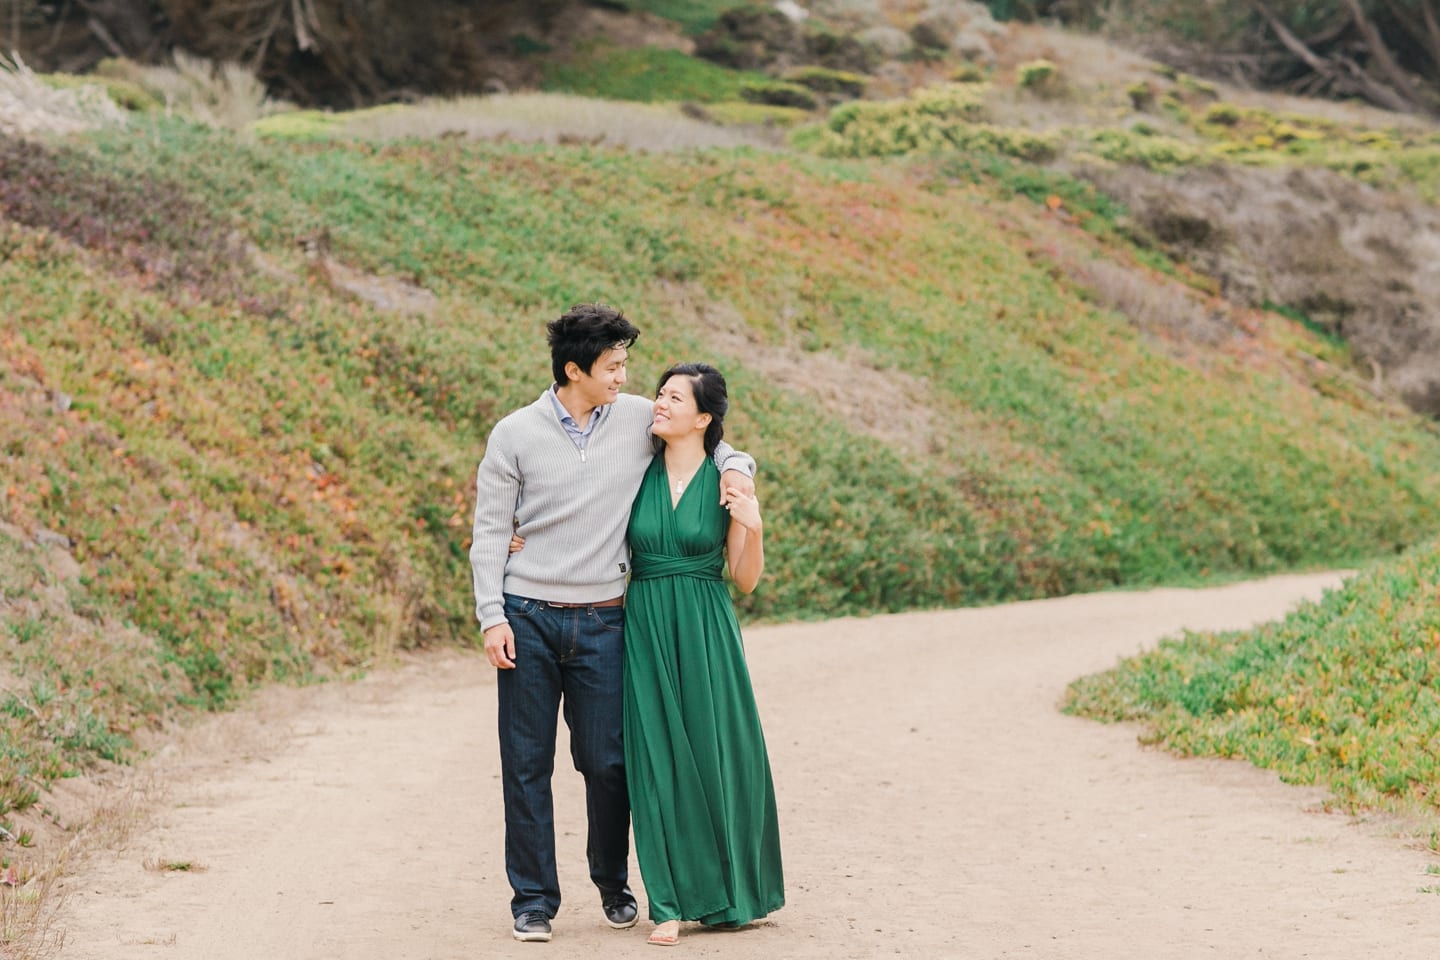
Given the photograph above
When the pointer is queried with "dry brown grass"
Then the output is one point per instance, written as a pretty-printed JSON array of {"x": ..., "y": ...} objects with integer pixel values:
[
  {"x": 548, "y": 118},
  {"x": 173, "y": 865},
  {"x": 28, "y": 913},
  {"x": 1362, "y": 263},
  {"x": 105, "y": 810},
  {"x": 886, "y": 404},
  {"x": 29, "y": 106},
  {"x": 222, "y": 95}
]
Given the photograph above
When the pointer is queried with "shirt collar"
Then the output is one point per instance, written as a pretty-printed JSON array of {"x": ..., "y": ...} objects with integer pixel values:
[{"x": 564, "y": 415}]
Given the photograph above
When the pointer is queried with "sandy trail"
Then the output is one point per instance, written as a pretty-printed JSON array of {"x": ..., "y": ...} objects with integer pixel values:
[{"x": 933, "y": 803}]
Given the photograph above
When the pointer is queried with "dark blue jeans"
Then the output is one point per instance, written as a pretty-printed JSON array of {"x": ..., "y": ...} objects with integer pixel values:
[{"x": 574, "y": 656}]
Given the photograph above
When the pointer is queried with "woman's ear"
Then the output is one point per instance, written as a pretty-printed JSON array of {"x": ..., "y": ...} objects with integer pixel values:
[{"x": 702, "y": 421}]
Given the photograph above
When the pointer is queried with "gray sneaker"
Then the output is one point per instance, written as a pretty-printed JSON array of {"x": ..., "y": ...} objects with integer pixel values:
[{"x": 532, "y": 926}]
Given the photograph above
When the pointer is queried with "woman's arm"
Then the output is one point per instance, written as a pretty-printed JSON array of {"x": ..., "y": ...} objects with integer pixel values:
[{"x": 745, "y": 542}]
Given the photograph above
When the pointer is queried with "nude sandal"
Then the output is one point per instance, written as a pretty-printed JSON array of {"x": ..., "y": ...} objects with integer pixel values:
[{"x": 664, "y": 939}]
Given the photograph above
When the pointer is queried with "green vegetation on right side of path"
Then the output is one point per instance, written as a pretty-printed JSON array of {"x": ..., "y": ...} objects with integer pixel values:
[{"x": 1344, "y": 692}]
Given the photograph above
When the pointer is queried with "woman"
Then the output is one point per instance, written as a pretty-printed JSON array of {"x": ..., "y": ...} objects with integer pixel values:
[{"x": 703, "y": 803}]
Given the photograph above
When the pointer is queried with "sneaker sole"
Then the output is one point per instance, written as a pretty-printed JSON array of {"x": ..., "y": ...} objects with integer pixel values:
[
  {"x": 530, "y": 937},
  {"x": 622, "y": 926}
]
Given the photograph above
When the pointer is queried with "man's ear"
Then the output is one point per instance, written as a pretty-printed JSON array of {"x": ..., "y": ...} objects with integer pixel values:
[{"x": 572, "y": 371}]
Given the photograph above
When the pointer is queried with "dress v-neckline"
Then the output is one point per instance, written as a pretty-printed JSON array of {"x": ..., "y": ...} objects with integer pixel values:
[{"x": 676, "y": 500}]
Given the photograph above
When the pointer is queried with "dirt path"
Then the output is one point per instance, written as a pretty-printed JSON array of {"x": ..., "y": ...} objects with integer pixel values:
[{"x": 933, "y": 803}]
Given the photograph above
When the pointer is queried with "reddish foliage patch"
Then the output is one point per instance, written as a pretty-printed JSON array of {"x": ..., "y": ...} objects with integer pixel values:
[{"x": 139, "y": 225}]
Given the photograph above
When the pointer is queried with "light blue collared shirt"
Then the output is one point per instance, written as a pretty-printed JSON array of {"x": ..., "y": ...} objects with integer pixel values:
[{"x": 581, "y": 437}]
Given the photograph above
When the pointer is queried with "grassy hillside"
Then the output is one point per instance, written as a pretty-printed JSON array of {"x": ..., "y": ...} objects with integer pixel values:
[
  {"x": 245, "y": 382},
  {"x": 262, "y": 470}
]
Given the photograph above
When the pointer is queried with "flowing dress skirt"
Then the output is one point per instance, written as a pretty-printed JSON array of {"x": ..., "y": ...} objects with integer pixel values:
[{"x": 706, "y": 833}]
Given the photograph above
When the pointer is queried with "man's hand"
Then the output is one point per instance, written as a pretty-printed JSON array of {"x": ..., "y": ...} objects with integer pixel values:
[
  {"x": 500, "y": 646},
  {"x": 734, "y": 483}
]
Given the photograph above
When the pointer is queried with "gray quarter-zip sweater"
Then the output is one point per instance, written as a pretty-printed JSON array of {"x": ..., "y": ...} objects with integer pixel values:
[{"x": 572, "y": 506}]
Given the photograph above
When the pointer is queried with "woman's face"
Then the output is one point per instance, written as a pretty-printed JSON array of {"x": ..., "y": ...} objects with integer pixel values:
[{"x": 675, "y": 412}]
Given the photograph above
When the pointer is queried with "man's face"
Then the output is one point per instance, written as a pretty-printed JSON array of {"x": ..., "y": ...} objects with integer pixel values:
[{"x": 601, "y": 385}]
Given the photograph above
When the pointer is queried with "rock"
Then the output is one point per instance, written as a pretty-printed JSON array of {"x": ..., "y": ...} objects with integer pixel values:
[
  {"x": 793, "y": 10},
  {"x": 752, "y": 38},
  {"x": 888, "y": 42},
  {"x": 855, "y": 14},
  {"x": 932, "y": 32},
  {"x": 973, "y": 46},
  {"x": 49, "y": 538}
]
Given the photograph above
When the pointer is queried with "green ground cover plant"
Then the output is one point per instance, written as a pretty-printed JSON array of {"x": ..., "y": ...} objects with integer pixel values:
[
  {"x": 967, "y": 118},
  {"x": 1343, "y": 692},
  {"x": 695, "y": 16},
  {"x": 646, "y": 74},
  {"x": 267, "y": 476},
  {"x": 952, "y": 117}
]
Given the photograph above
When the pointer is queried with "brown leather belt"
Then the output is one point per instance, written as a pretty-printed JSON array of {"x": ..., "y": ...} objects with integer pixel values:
[{"x": 612, "y": 602}]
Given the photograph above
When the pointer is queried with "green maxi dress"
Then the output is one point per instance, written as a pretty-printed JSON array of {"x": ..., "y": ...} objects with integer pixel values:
[{"x": 706, "y": 834}]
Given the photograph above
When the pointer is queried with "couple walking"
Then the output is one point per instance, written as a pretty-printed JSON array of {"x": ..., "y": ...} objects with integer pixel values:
[{"x": 652, "y": 682}]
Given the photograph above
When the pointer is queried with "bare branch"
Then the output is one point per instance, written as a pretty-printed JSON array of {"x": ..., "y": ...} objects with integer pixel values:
[
  {"x": 1291, "y": 42},
  {"x": 1380, "y": 52},
  {"x": 305, "y": 25},
  {"x": 103, "y": 35},
  {"x": 1362, "y": 81},
  {"x": 1432, "y": 29},
  {"x": 263, "y": 46},
  {"x": 1373, "y": 89}
]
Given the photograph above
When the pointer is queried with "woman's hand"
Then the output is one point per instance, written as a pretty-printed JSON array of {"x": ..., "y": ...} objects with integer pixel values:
[
  {"x": 744, "y": 509},
  {"x": 517, "y": 543}
]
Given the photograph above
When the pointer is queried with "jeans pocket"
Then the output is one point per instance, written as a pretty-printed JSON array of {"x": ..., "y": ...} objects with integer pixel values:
[
  {"x": 611, "y": 619},
  {"x": 522, "y": 607}
]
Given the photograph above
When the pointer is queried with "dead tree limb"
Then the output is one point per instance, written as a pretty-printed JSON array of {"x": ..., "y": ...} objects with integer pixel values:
[
  {"x": 1291, "y": 42},
  {"x": 1360, "y": 80},
  {"x": 1403, "y": 83}
]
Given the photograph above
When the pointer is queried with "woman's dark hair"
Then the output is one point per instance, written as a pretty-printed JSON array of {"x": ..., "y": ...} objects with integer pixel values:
[
  {"x": 583, "y": 333},
  {"x": 708, "y": 385}
]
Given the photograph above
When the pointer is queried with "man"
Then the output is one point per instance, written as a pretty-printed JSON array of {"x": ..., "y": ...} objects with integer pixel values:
[{"x": 562, "y": 473}]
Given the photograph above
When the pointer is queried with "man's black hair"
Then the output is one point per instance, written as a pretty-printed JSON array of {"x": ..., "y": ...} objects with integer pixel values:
[{"x": 583, "y": 333}]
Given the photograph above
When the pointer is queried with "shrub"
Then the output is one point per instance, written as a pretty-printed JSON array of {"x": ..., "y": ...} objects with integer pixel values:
[
  {"x": 1142, "y": 95},
  {"x": 831, "y": 83},
  {"x": 843, "y": 52},
  {"x": 968, "y": 73},
  {"x": 1151, "y": 152},
  {"x": 751, "y": 38},
  {"x": 738, "y": 114},
  {"x": 126, "y": 94},
  {"x": 1038, "y": 76},
  {"x": 1195, "y": 89},
  {"x": 777, "y": 93},
  {"x": 1222, "y": 114},
  {"x": 934, "y": 119}
]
